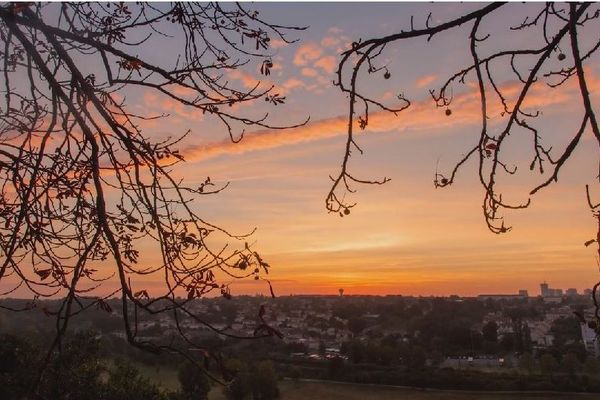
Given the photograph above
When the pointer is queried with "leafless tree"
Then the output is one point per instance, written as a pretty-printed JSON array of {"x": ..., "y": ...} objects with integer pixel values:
[
  {"x": 559, "y": 58},
  {"x": 84, "y": 190}
]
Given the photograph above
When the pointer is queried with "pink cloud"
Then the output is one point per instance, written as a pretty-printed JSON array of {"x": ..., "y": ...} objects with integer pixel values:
[
  {"x": 293, "y": 83},
  {"x": 174, "y": 107},
  {"x": 330, "y": 41},
  {"x": 162, "y": 104},
  {"x": 277, "y": 43},
  {"x": 150, "y": 97},
  {"x": 267, "y": 139},
  {"x": 306, "y": 53},
  {"x": 309, "y": 72},
  {"x": 327, "y": 64},
  {"x": 422, "y": 118},
  {"x": 247, "y": 79},
  {"x": 277, "y": 64},
  {"x": 425, "y": 80},
  {"x": 182, "y": 91}
]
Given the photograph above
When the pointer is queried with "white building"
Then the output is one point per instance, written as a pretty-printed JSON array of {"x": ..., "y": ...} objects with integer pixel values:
[{"x": 590, "y": 340}]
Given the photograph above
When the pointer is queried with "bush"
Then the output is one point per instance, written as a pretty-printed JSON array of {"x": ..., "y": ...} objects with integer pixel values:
[{"x": 194, "y": 383}]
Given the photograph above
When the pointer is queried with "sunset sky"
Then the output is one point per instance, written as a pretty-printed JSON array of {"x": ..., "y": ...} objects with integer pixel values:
[{"x": 405, "y": 237}]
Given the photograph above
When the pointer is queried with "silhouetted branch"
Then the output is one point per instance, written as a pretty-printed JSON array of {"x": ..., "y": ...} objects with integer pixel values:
[
  {"x": 83, "y": 189},
  {"x": 555, "y": 25}
]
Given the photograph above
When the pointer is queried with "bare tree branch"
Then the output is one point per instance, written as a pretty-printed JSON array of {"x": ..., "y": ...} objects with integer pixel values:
[{"x": 83, "y": 190}]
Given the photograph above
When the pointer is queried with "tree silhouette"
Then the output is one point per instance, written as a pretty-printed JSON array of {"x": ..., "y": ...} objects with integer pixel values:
[
  {"x": 558, "y": 58},
  {"x": 84, "y": 191}
]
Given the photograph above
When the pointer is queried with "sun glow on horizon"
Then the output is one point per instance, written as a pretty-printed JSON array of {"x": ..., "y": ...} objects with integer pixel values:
[{"x": 403, "y": 237}]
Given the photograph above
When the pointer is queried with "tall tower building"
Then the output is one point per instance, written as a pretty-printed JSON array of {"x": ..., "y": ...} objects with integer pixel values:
[{"x": 544, "y": 289}]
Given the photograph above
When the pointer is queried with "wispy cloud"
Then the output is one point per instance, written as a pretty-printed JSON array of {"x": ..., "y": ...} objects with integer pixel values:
[
  {"x": 425, "y": 80},
  {"x": 422, "y": 117},
  {"x": 267, "y": 139}
]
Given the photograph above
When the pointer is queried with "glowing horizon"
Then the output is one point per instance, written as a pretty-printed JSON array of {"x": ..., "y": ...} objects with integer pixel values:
[{"x": 405, "y": 237}]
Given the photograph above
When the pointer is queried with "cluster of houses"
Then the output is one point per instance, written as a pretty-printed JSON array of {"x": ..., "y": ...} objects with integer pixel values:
[
  {"x": 310, "y": 321},
  {"x": 540, "y": 329}
]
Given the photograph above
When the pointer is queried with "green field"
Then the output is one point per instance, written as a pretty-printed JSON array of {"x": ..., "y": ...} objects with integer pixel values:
[
  {"x": 291, "y": 390},
  {"x": 308, "y": 390}
]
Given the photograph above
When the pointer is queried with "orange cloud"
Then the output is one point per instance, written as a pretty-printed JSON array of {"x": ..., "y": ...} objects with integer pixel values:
[
  {"x": 306, "y": 53},
  {"x": 327, "y": 64},
  {"x": 421, "y": 117},
  {"x": 247, "y": 79},
  {"x": 425, "y": 80},
  {"x": 309, "y": 72},
  {"x": 277, "y": 43},
  {"x": 182, "y": 91},
  {"x": 174, "y": 107},
  {"x": 293, "y": 83},
  {"x": 267, "y": 139},
  {"x": 330, "y": 41}
]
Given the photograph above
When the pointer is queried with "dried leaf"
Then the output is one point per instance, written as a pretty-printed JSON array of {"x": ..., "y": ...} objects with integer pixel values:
[{"x": 43, "y": 273}]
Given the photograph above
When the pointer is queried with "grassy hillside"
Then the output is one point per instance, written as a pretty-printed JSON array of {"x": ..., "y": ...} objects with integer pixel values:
[
  {"x": 333, "y": 391},
  {"x": 302, "y": 390}
]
